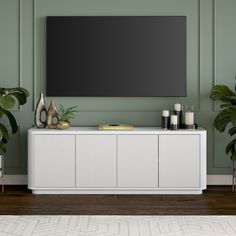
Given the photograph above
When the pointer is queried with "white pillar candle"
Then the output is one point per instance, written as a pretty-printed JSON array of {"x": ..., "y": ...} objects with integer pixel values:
[
  {"x": 174, "y": 120},
  {"x": 165, "y": 113},
  {"x": 177, "y": 107},
  {"x": 189, "y": 118}
]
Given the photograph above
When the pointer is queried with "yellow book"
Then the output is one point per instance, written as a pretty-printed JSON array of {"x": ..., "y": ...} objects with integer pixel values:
[{"x": 115, "y": 127}]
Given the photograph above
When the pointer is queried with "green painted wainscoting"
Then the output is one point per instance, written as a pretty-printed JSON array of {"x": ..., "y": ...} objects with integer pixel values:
[{"x": 211, "y": 59}]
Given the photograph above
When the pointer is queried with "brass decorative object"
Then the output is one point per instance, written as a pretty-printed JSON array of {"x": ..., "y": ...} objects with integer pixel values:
[
  {"x": 52, "y": 113},
  {"x": 40, "y": 108},
  {"x": 63, "y": 124}
]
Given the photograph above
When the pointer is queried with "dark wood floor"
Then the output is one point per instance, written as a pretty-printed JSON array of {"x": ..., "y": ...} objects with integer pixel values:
[{"x": 216, "y": 200}]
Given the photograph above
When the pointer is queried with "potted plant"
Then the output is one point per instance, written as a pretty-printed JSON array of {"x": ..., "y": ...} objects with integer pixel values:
[
  {"x": 8, "y": 97},
  {"x": 226, "y": 118},
  {"x": 65, "y": 116}
]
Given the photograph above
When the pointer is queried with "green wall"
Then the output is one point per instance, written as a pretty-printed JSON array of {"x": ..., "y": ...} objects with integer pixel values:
[{"x": 211, "y": 56}]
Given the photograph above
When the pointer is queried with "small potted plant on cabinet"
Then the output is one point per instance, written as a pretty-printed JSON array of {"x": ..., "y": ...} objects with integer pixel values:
[{"x": 65, "y": 116}]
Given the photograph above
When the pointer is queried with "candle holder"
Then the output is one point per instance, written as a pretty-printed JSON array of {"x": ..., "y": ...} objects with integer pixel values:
[
  {"x": 174, "y": 122},
  {"x": 165, "y": 122},
  {"x": 173, "y": 127},
  {"x": 191, "y": 127},
  {"x": 179, "y": 118},
  {"x": 189, "y": 119},
  {"x": 165, "y": 119}
]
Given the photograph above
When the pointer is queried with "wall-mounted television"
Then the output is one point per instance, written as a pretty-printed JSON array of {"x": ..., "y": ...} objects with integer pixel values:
[{"x": 116, "y": 56}]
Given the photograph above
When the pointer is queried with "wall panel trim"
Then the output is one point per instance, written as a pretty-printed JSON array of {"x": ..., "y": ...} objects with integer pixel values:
[
  {"x": 198, "y": 89},
  {"x": 214, "y": 107},
  {"x": 34, "y": 54},
  {"x": 214, "y": 49}
]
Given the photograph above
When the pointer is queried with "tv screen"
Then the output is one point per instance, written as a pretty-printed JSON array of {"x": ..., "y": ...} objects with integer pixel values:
[{"x": 116, "y": 56}]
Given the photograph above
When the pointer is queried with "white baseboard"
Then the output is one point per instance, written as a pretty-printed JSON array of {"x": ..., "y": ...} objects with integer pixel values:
[
  {"x": 15, "y": 179},
  {"x": 219, "y": 179},
  {"x": 211, "y": 179}
]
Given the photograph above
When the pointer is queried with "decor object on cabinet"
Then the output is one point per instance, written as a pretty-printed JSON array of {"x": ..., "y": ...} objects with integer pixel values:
[
  {"x": 115, "y": 127},
  {"x": 179, "y": 113},
  {"x": 8, "y": 97},
  {"x": 180, "y": 118},
  {"x": 226, "y": 116},
  {"x": 40, "y": 108},
  {"x": 173, "y": 122},
  {"x": 51, "y": 114},
  {"x": 165, "y": 119},
  {"x": 65, "y": 116},
  {"x": 189, "y": 120}
]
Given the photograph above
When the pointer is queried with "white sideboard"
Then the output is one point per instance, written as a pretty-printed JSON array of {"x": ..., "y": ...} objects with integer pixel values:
[{"x": 146, "y": 160}]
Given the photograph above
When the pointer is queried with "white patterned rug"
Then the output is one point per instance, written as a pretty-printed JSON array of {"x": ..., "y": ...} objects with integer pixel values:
[{"x": 118, "y": 225}]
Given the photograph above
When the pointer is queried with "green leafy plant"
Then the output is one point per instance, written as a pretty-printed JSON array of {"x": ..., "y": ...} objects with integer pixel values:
[
  {"x": 227, "y": 115},
  {"x": 8, "y": 97},
  {"x": 67, "y": 113}
]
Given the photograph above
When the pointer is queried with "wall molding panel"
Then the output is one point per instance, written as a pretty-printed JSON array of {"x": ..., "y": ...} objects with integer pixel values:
[
  {"x": 218, "y": 42},
  {"x": 114, "y": 105}
]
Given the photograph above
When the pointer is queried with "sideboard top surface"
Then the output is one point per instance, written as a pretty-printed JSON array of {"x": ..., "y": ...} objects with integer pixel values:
[{"x": 94, "y": 130}]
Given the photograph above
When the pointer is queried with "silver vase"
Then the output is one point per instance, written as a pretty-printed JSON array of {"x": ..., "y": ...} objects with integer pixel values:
[
  {"x": 52, "y": 113},
  {"x": 40, "y": 108}
]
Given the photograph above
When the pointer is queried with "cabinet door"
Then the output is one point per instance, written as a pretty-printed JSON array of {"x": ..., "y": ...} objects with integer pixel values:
[
  {"x": 96, "y": 161},
  {"x": 179, "y": 161},
  {"x": 138, "y": 161},
  {"x": 55, "y": 161}
]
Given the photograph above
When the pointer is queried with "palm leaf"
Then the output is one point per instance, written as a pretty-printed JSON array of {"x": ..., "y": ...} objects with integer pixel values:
[
  {"x": 20, "y": 94},
  {"x": 4, "y": 132},
  {"x": 225, "y": 117},
  {"x": 222, "y": 93},
  {"x": 227, "y": 105},
  {"x": 230, "y": 147},
  {"x": 232, "y": 131},
  {"x": 17, "y": 90},
  {"x": 3, "y": 147},
  {"x": 8, "y": 97},
  {"x": 11, "y": 119},
  {"x": 7, "y": 102},
  {"x": 20, "y": 97}
]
